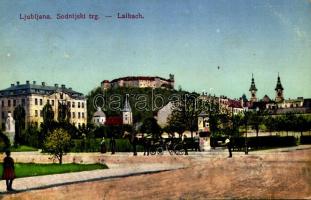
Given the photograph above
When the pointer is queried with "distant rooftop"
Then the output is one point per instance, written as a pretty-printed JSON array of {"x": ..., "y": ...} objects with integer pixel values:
[
  {"x": 34, "y": 88},
  {"x": 134, "y": 78}
]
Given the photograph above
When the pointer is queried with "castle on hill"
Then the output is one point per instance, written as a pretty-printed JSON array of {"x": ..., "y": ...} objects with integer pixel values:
[{"x": 140, "y": 82}]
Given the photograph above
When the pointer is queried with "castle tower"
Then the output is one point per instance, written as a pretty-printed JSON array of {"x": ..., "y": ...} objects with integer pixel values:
[
  {"x": 253, "y": 90},
  {"x": 172, "y": 80},
  {"x": 127, "y": 114},
  {"x": 279, "y": 96}
]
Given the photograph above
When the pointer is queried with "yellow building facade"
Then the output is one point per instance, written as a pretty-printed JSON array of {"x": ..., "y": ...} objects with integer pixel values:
[{"x": 34, "y": 97}]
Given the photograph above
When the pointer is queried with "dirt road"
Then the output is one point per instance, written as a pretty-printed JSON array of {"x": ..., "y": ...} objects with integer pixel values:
[{"x": 285, "y": 175}]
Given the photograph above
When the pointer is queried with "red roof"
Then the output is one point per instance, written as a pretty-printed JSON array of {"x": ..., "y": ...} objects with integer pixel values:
[
  {"x": 136, "y": 78},
  {"x": 114, "y": 121},
  {"x": 235, "y": 103}
]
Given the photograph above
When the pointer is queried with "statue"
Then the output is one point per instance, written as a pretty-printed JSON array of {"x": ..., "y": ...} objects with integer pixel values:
[
  {"x": 10, "y": 124},
  {"x": 10, "y": 128}
]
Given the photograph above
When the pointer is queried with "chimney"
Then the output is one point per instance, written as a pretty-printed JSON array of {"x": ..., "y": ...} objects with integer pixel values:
[
  {"x": 27, "y": 82},
  {"x": 56, "y": 85},
  {"x": 43, "y": 83},
  {"x": 17, "y": 82},
  {"x": 12, "y": 85},
  {"x": 63, "y": 86},
  {"x": 34, "y": 82}
]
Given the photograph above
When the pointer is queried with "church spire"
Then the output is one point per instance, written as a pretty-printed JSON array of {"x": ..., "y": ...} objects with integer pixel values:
[
  {"x": 253, "y": 90},
  {"x": 279, "y": 84},
  {"x": 127, "y": 114},
  {"x": 253, "y": 86},
  {"x": 127, "y": 106},
  {"x": 279, "y": 96}
]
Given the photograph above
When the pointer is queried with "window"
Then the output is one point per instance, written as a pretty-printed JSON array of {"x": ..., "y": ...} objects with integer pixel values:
[
  {"x": 41, "y": 113},
  {"x": 79, "y": 115},
  {"x": 48, "y": 101},
  {"x": 73, "y": 115},
  {"x": 9, "y": 103},
  {"x": 83, "y": 115},
  {"x": 82, "y": 105},
  {"x": 61, "y": 95},
  {"x": 23, "y": 102},
  {"x": 69, "y": 104},
  {"x": 78, "y": 104},
  {"x": 73, "y": 104},
  {"x": 2, "y": 103},
  {"x": 52, "y": 102},
  {"x": 36, "y": 101},
  {"x": 36, "y": 124},
  {"x": 41, "y": 102},
  {"x": 14, "y": 102},
  {"x": 36, "y": 113}
]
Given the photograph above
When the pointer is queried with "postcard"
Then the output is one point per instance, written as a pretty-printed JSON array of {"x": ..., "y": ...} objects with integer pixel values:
[{"x": 133, "y": 99}]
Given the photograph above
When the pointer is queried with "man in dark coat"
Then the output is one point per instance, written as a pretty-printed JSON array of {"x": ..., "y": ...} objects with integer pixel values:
[
  {"x": 113, "y": 145},
  {"x": 229, "y": 146}
]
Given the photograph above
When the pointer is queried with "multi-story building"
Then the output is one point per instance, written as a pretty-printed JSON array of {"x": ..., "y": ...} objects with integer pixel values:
[
  {"x": 33, "y": 97},
  {"x": 140, "y": 82}
]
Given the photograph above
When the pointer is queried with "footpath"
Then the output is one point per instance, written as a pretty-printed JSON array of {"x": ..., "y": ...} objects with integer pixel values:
[
  {"x": 120, "y": 165},
  {"x": 46, "y": 181}
]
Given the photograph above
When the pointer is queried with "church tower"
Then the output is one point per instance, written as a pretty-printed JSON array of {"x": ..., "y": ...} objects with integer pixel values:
[
  {"x": 253, "y": 90},
  {"x": 279, "y": 96},
  {"x": 127, "y": 114}
]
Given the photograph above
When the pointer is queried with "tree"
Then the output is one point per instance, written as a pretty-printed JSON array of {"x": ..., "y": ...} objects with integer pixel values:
[
  {"x": 57, "y": 143},
  {"x": 255, "y": 121},
  {"x": 48, "y": 114},
  {"x": 301, "y": 124},
  {"x": 150, "y": 126},
  {"x": 270, "y": 123},
  {"x": 63, "y": 112},
  {"x": 185, "y": 115},
  {"x": 48, "y": 122},
  {"x": 31, "y": 136},
  {"x": 176, "y": 124},
  {"x": 4, "y": 142},
  {"x": 19, "y": 115}
]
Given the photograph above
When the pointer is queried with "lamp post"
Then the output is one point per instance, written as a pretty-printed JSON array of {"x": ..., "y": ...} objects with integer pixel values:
[
  {"x": 246, "y": 119},
  {"x": 258, "y": 120}
]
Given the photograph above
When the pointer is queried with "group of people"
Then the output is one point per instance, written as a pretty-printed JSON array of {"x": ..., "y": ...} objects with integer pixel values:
[{"x": 112, "y": 144}]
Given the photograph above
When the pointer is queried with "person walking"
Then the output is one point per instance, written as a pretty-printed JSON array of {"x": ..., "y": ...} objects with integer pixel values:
[
  {"x": 113, "y": 145},
  {"x": 228, "y": 143},
  {"x": 197, "y": 142},
  {"x": 184, "y": 144},
  {"x": 147, "y": 144},
  {"x": 8, "y": 171},
  {"x": 103, "y": 148}
]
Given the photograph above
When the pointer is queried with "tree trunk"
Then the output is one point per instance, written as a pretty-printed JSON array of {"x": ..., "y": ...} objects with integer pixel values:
[{"x": 60, "y": 158}]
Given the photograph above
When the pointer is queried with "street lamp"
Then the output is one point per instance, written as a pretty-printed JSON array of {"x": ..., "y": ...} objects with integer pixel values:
[{"x": 246, "y": 119}]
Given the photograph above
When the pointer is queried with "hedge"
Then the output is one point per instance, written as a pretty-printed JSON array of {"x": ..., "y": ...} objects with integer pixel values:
[
  {"x": 93, "y": 145},
  {"x": 305, "y": 139},
  {"x": 4, "y": 142},
  {"x": 259, "y": 142}
]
